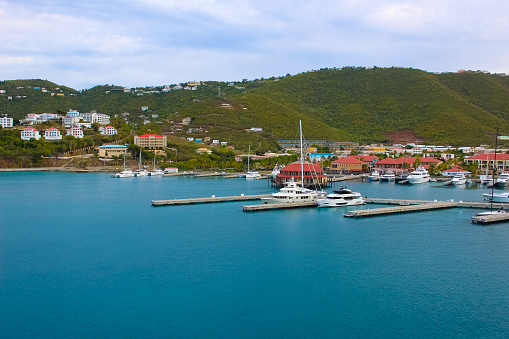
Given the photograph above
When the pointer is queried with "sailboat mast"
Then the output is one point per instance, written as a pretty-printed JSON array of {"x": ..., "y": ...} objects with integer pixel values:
[{"x": 301, "y": 156}]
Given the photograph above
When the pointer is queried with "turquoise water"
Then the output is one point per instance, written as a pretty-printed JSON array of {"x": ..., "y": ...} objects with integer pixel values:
[{"x": 85, "y": 255}]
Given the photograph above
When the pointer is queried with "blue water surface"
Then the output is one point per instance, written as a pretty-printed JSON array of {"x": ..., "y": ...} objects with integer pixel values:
[{"x": 86, "y": 255}]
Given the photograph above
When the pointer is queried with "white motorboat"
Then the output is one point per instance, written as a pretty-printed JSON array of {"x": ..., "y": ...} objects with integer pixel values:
[
  {"x": 458, "y": 179},
  {"x": 502, "y": 180},
  {"x": 252, "y": 175},
  {"x": 142, "y": 172},
  {"x": 497, "y": 197},
  {"x": 374, "y": 176},
  {"x": 486, "y": 179},
  {"x": 126, "y": 173},
  {"x": 387, "y": 177},
  {"x": 419, "y": 176},
  {"x": 341, "y": 197},
  {"x": 156, "y": 172}
]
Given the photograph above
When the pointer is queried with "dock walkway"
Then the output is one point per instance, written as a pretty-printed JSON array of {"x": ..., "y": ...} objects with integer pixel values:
[
  {"x": 400, "y": 209},
  {"x": 208, "y": 200}
]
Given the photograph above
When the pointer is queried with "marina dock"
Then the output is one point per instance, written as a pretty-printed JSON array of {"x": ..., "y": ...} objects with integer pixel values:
[
  {"x": 207, "y": 200},
  {"x": 490, "y": 218},
  {"x": 400, "y": 209},
  {"x": 266, "y": 207}
]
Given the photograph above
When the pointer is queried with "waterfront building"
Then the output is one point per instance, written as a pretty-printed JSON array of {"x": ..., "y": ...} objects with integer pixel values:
[
  {"x": 108, "y": 130},
  {"x": 487, "y": 162},
  {"x": 395, "y": 165},
  {"x": 6, "y": 122},
  {"x": 30, "y": 133},
  {"x": 75, "y": 132},
  {"x": 426, "y": 161},
  {"x": 112, "y": 150},
  {"x": 150, "y": 141},
  {"x": 52, "y": 134},
  {"x": 350, "y": 164},
  {"x": 313, "y": 175},
  {"x": 453, "y": 171}
]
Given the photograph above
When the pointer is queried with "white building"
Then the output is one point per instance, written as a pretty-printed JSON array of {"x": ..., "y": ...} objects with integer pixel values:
[
  {"x": 83, "y": 125},
  {"x": 69, "y": 121},
  {"x": 30, "y": 133},
  {"x": 75, "y": 132},
  {"x": 52, "y": 134},
  {"x": 108, "y": 130},
  {"x": 73, "y": 113},
  {"x": 101, "y": 119},
  {"x": 6, "y": 122}
]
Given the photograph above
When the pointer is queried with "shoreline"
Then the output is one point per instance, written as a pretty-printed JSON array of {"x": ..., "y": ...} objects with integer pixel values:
[{"x": 62, "y": 169}]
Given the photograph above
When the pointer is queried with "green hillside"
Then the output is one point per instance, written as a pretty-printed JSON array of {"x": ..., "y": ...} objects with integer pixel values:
[{"x": 348, "y": 104}]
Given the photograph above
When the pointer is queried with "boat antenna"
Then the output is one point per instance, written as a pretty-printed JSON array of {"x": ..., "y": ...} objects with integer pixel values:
[{"x": 301, "y": 156}]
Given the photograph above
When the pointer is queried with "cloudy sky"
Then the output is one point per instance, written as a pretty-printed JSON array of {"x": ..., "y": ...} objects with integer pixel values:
[{"x": 83, "y": 43}]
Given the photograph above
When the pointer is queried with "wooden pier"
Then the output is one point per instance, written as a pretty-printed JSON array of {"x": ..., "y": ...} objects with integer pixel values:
[
  {"x": 400, "y": 209},
  {"x": 207, "y": 200},
  {"x": 284, "y": 205},
  {"x": 490, "y": 218}
]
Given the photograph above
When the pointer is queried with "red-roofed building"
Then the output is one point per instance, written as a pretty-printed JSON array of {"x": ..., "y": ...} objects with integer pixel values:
[
  {"x": 313, "y": 175},
  {"x": 488, "y": 161},
  {"x": 455, "y": 170},
  {"x": 426, "y": 161},
  {"x": 395, "y": 165},
  {"x": 150, "y": 141},
  {"x": 350, "y": 164}
]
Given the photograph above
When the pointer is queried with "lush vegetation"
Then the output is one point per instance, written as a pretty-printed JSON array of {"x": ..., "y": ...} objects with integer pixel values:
[{"x": 348, "y": 104}]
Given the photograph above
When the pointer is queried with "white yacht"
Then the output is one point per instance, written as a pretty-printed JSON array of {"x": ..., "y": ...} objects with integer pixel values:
[
  {"x": 419, "y": 176},
  {"x": 142, "y": 172},
  {"x": 497, "y": 197},
  {"x": 374, "y": 176},
  {"x": 459, "y": 179},
  {"x": 293, "y": 192},
  {"x": 156, "y": 172},
  {"x": 341, "y": 197},
  {"x": 252, "y": 175},
  {"x": 502, "y": 180},
  {"x": 387, "y": 177},
  {"x": 486, "y": 179},
  {"x": 126, "y": 173}
]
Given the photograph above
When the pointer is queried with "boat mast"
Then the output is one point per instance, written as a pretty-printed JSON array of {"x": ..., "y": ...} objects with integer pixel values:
[
  {"x": 494, "y": 171},
  {"x": 248, "y": 155},
  {"x": 301, "y": 156}
]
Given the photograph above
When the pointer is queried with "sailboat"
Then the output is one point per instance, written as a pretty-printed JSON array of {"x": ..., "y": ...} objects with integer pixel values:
[
  {"x": 155, "y": 171},
  {"x": 140, "y": 172},
  {"x": 294, "y": 191},
  {"x": 251, "y": 175},
  {"x": 126, "y": 173}
]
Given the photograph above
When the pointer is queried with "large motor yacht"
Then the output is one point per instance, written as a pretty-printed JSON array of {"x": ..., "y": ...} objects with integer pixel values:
[
  {"x": 419, "y": 176},
  {"x": 341, "y": 197}
]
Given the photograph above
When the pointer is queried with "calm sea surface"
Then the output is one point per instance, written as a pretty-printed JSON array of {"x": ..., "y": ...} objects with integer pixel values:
[{"x": 86, "y": 255}]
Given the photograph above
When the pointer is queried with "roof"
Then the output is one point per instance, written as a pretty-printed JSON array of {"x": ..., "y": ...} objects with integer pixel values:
[
  {"x": 456, "y": 170},
  {"x": 429, "y": 160},
  {"x": 490, "y": 156},
  {"x": 295, "y": 167},
  {"x": 149, "y": 136},
  {"x": 367, "y": 158},
  {"x": 114, "y": 146},
  {"x": 397, "y": 161},
  {"x": 348, "y": 160}
]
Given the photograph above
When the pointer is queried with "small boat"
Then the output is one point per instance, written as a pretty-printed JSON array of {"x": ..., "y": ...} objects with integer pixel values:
[
  {"x": 251, "y": 174},
  {"x": 502, "y": 180},
  {"x": 142, "y": 172},
  {"x": 341, "y": 197},
  {"x": 374, "y": 176},
  {"x": 401, "y": 179},
  {"x": 387, "y": 177},
  {"x": 126, "y": 173},
  {"x": 156, "y": 172},
  {"x": 486, "y": 179},
  {"x": 497, "y": 197},
  {"x": 419, "y": 176},
  {"x": 458, "y": 179},
  {"x": 500, "y": 211}
]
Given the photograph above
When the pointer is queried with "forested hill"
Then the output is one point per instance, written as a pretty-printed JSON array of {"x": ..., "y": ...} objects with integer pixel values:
[{"x": 348, "y": 104}]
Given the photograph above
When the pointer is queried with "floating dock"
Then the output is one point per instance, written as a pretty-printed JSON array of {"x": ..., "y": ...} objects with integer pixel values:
[
  {"x": 208, "y": 200},
  {"x": 490, "y": 218},
  {"x": 400, "y": 209},
  {"x": 284, "y": 205}
]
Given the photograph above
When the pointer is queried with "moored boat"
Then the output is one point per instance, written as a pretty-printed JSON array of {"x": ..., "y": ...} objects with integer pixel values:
[
  {"x": 341, "y": 197},
  {"x": 387, "y": 176},
  {"x": 126, "y": 173},
  {"x": 419, "y": 176},
  {"x": 374, "y": 176},
  {"x": 502, "y": 180}
]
